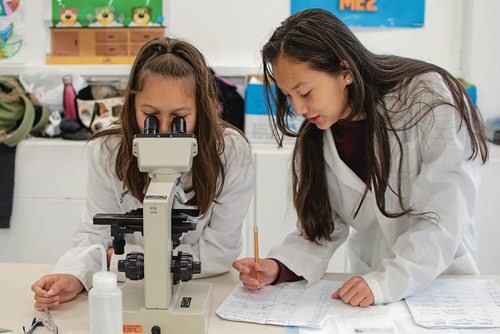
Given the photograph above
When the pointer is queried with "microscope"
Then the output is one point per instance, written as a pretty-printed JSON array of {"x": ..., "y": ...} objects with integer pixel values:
[{"x": 158, "y": 298}]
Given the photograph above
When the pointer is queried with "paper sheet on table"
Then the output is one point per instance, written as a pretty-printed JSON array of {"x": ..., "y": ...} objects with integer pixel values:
[
  {"x": 457, "y": 303},
  {"x": 286, "y": 304},
  {"x": 344, "y": 318},
  {"x": 375, "y": 321}
]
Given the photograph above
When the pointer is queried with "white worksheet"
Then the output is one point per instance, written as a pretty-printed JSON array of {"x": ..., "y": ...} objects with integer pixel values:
[
  {"x": 370, "y": 320},
  {"x": 457, "y": 303},
  {"x": 286, "y": 304}
]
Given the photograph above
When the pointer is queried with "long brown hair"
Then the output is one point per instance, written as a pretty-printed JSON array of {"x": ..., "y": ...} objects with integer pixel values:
[
  {"x": 320, "y": 39},
  {"x": 176, "y": 59}
]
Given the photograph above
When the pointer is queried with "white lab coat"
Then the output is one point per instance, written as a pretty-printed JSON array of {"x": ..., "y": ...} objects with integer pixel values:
[
  {"x": 398, "y": 257},
  {"x": 217, "y": 240}
]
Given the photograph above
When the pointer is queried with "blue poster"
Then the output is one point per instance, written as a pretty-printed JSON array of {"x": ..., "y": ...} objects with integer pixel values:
[{"x": 370, "y": 13}]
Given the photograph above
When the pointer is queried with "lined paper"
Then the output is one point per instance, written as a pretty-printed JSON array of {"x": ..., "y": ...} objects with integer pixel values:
[
  {"x": 286, "y": 304},
  {"x": 457, "y": 303}
]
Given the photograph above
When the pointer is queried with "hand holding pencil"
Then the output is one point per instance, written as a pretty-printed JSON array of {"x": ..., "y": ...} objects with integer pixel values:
[{"x": 256, "y": 273}]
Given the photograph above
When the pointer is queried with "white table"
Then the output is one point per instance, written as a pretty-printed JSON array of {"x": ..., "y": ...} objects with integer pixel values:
[{"x": 16, "y": 303}]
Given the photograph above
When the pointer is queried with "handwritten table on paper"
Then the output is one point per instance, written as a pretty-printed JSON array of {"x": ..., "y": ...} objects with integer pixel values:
[
  {"x": 286, "y": 304},
  {"x": 457, "y": 303}
]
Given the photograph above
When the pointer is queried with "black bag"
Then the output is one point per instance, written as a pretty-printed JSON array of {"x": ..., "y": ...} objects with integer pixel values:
[{"x": 233, "y": 105}]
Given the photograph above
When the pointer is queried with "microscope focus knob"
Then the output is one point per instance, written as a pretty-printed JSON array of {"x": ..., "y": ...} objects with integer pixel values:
[
  {"x": 132, "y": 266},
  {"x": 183, "y": 267},
  {"x": 196, "y": 267}
]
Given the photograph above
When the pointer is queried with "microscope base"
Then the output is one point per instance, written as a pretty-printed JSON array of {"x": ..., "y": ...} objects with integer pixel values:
[{"x": 189, "y": 312}]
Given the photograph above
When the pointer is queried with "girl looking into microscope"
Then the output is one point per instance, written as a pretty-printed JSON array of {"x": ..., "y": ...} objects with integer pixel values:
[{"x": 169, "y": 79}]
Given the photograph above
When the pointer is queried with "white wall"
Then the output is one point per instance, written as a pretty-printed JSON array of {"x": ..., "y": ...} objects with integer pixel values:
[
  {"x": 231, "y": 33},
  {"x": 481, "y": 51}
]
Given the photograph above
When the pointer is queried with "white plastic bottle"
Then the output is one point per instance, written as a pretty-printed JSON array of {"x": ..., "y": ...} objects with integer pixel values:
[{"x": 105, "y": 304}]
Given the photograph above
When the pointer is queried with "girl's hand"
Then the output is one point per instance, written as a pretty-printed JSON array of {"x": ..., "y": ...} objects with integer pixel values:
[
  {"x": 248, "y": 268},
  {"x": 51, "y": 290},
  {"x": 355, "y": 292}
]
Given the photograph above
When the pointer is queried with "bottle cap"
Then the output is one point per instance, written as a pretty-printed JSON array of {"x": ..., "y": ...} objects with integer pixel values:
[
  {"x": 104, "y": 279},
  {"x": 67, "y": 79}
]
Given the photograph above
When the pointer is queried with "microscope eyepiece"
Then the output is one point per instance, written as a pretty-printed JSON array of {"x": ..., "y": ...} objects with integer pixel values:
[
  {"x": 179, "y": 125},
  {"x": 151, "y": 125}
]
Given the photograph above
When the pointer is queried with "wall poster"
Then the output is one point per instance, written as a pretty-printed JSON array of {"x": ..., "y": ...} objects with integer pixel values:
[
  {"x": 11, "y": 31},
  {"x": 106, "y": 13},
  {"x": 370, "y": 13}
]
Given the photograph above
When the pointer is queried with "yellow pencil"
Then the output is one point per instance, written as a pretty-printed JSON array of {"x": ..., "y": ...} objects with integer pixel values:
[{"x": 256, "y": 249}]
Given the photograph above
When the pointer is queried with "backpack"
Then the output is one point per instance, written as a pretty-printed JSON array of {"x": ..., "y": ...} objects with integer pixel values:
[
  {"x": 232, "y": 104},
  {"x": 17, "y": 113}
]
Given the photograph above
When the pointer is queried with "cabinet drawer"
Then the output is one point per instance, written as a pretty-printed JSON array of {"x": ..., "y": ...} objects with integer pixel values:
[
  {"x": 142, "y": 36},
  {"x": 110, "y": 36},
  {"x": 111, "y": 49},
  {"x": 134, "y": 48}
]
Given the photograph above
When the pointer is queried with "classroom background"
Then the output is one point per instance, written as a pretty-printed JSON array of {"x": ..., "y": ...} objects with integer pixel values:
[{"x": 459, "y": 35}]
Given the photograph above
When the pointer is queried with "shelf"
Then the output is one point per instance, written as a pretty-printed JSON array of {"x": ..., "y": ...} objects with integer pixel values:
[
  {"x": 108, "y": 70},
  {"x": 86, "y": 70},
  {"x": 97, "y": 60}
]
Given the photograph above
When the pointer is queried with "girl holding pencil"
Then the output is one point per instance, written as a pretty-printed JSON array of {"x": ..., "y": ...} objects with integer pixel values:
[{"x": 388, "y": 158}]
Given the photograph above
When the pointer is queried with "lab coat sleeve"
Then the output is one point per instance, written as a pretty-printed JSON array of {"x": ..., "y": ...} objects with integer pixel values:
[
  {"x": 100, "y": 198},
  {"x": 447, "y": 186},
  {"x": 306, "y": 258},
  {"x": 220, "y": 241}
]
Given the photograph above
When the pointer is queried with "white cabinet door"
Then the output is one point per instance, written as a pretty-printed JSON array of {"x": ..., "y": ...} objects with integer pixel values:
[
  {"x": 488, "y": 215},
  {"x": 49, "y": 197},
  {"x": 41, "y": 230},
  {"x": 272, "y": 206}
]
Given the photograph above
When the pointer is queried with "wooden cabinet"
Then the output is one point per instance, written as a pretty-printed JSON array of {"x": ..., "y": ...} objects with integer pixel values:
[
  {"x": 98, "y": 45},
  {"x": 66, "y": 44},
  {"x": 138, "y": 38}
]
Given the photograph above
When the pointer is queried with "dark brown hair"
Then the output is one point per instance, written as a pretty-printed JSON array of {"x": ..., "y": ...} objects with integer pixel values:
[
  {"x": 321, "y": 40},
  {"x": 176, "y": 59}
]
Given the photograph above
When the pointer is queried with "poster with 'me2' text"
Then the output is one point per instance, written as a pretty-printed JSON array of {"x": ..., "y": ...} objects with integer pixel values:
[{"x": 370, "y": 13}]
